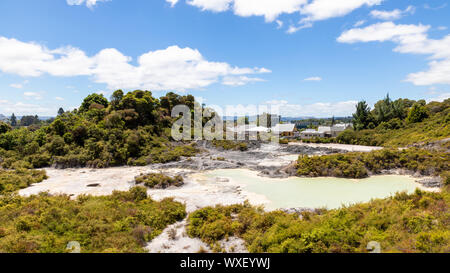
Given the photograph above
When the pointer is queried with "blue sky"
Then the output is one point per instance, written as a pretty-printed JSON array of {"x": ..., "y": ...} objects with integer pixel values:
[{"x": 309, "y": 57}]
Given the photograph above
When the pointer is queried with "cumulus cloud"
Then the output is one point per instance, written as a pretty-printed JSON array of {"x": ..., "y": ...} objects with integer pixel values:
[
  {"x": 309, "y": 11},
  {"x": 173, "y": 68},
  {"x": 393, "y": 14},
  {"x": 326, "y": 9},
  {"x": 412, "y": 39},
  {"x": 88, "y": 3}
]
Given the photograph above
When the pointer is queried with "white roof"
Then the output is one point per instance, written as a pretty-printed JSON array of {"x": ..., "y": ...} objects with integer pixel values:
[
  {"x": 324, "y": 129},
  {"x": 258, "y": 129},
  {"x": 244, "y": 128},
  {"x": 283, "y": 128}
]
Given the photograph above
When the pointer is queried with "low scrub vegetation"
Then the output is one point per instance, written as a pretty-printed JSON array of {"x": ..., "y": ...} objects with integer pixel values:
[
  {"x": 404, "y": 223},
  {"x": 13, "y": 180},
  {"x": 121, "y": 222},
  {"x": 159, "y": 181},
  {"x": 359, "y": 165},
  {"x": 230, "y": 145}
]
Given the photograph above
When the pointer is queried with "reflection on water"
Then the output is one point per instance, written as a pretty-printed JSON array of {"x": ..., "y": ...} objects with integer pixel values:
[{"x": 313, "y": 192}]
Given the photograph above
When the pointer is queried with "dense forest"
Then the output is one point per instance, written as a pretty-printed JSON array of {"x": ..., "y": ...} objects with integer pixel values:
[{"x": 131, "y": 129}]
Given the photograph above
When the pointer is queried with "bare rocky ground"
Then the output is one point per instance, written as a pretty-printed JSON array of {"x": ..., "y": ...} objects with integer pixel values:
[{"x": 268, "y": 159}]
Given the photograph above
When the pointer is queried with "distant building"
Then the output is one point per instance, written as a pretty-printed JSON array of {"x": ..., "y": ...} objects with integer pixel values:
[
  {"x": 325, "y": 131},
  {"x": 285, "y": 130}
]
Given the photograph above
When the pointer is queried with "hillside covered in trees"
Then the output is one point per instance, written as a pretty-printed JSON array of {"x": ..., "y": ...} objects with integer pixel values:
[
  {"x": 131, "y": 129},
  {"x": 398, "y": 123}
]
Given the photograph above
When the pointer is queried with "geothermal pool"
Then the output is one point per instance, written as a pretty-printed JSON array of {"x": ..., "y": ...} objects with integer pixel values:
[{"x": 296, "y": 192}]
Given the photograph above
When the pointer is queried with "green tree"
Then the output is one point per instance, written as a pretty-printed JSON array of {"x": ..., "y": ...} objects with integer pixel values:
[
  {"x": 363, "y": 117},
  {"x": 398, "y": 109},
  {"x": 144, "y": 104},
  {"x": 116, "y": 97},
  {"x": 383, "y": 110},
  {"x": 60, "y": 111},
  {"x": 4, "y": 127},
  {"x": 29, "y": 120},
  {"x": 13, "y": 120},
  {"x": 417, "y": 113},
  {"x": 91, "y": 99}
]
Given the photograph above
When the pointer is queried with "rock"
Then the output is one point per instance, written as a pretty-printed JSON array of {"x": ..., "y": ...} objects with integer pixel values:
[
  {"x": 222, "y": 179},
  {"x": 93, "y": 185},
  {"x": 433, "y": 182}
]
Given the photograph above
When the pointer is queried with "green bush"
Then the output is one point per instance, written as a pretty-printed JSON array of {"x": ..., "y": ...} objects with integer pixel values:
[
  {"x": 400, "y": 224},
  {"x": 121, "y": 222},
  {"x": 159, "y": 180},
  {"x": 358, "y": 165},
  {"x": 13, "y": 180},
  {"x": 230, "y": 145}
]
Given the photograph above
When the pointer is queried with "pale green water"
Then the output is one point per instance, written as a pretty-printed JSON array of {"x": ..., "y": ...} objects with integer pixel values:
[{"x": 316, "y": 192}]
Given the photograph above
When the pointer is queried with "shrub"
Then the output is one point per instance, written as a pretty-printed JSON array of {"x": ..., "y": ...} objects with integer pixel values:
[
  {"x": 121, "y": 222},
  {"x": 358, "y": 165},
  {"x": 399, "y": 224},
  {"x": 13, "y": 180},
  {"x": 159, "y": 180}
]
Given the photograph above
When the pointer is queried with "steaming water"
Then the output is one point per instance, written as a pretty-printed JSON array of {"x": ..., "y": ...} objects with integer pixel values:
[{"x": 297, "y": 192}]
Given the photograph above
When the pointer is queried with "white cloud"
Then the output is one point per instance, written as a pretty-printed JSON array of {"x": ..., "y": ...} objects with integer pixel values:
[
  {"x": 239, "y": 80},
  {"x": 293, "y": 29},
  {"x": 267, "y": 8},
  {"x": 411, "y": 39},
  {"x": 325, "y": 9},
  {"x": 89, "y": 3},
  {"x": 20, "y": 108},
  {"x": 308, "y": 11},
  {"x": 173, "y": 68},
  {"x": 211, "y": 5},
  {"x": 33, "y": 95},
  {"x": 19, "y": 85},
  {"x": 31, "y": 59},
  {"x": 16, "y": 85},
  {"x": 320, "y": 109},
  {"x": 59, "y": 98},
  {"x": 279, "y": 24},
  {"x": 393, "y": 14},
  {"x": 359, "y": 23},
  {"x": 313, "y": 79},
  {"x": 381, "y": 32},
  {"x": 172, "y": 2}
]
